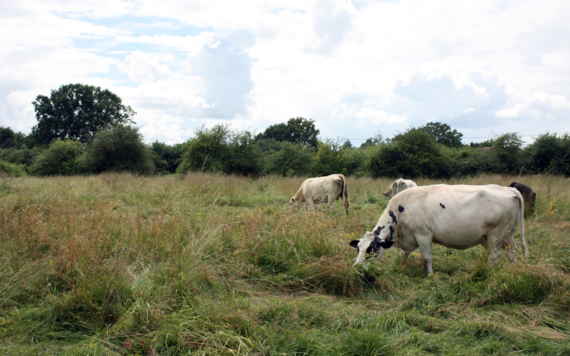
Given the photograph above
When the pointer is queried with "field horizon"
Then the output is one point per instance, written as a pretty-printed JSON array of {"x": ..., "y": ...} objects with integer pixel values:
[{"x": 208, "y": 264}]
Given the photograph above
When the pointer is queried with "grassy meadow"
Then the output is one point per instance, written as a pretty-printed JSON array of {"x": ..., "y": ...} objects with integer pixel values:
[{"x": 116, "y": 264}]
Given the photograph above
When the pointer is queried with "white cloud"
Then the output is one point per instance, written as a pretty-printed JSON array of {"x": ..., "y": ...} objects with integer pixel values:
[
  {"x": 140, "y": 67},
  {"x": 539, "y": 106}
]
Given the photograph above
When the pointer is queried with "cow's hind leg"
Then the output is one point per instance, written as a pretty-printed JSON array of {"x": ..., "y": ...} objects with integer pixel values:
[{"x": 494, "y": 248}]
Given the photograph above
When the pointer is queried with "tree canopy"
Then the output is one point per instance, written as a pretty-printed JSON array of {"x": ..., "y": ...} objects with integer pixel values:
[
  {"x": 297, "y": 130},
  {"x": 77, "y": 111},
  {"x": 443, "y": 134}
]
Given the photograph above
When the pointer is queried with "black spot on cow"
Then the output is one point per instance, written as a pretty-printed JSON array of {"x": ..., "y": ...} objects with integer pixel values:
[
  {"x": 377, "y": 231},
  {"x": 400, "y": 209},
  {"x": 393, "y": 216},
  {"x": 443, "y": 206}
]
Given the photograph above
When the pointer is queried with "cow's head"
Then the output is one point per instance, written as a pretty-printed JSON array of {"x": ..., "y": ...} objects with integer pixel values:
[
  {"x": 294, "y": 205},
  {"x": 381, "y": 237}
]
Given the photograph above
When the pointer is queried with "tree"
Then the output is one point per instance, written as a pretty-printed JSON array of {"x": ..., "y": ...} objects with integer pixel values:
[
  {"x": 168, "y": 155},
  {"x": 507, "y": 148},
  {"x": 444, "y": 134},
  {"x": 296, "y": 130},
  {"x": 373, "y": 141},
  {"x": 77, "y": 111},
  {"x": 118, "y": 149},
  {"x": 7, "y": 137}
]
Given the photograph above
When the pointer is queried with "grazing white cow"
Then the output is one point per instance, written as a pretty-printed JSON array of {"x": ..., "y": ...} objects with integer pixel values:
[
  {"x": 455, "y": 216},
  {"x": 399, "y": 185},
  {"x": 321, "y": 190}
]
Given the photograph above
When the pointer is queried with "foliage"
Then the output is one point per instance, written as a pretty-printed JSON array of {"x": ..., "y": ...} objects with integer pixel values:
[
  {"x": 11, "y": 169},
  {"x": 167, "y": 156},
  {"x": 60, "y": 159},
  {"x": 332, "y": 158},
  {"x": 119, "y": 149},
  {"x": 411, "y": 154},
  {"x": 443, "y": 134},
  {"x": 373, "y": 141},
  {"x": 77, "y": 111},
  {"x": 7, "y": 137},
  {"x": 296, "y": 130},
  {"x": 550, "y": 153},
  {"x": 220, "y": 149},
  {"x": 23, "y": 155},
  {"x": 289, "y": 159},
  {"x": 507, "y": 148}
]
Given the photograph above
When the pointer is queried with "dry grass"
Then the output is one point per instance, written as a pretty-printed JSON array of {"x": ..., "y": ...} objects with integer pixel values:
[{"x": 119, "y": 264}]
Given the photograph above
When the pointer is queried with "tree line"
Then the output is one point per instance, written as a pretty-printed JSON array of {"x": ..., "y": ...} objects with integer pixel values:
[{"x": 82, "y": 129}]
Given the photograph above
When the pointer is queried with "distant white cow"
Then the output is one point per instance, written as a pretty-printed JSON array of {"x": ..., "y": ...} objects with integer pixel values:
[
  {"x": 321, "y": 190},
  {"x": 399, "y": 185},
  {"x": 455, "y": 216}
]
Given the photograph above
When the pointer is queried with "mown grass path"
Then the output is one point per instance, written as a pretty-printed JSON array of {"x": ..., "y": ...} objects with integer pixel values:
[{"x": 214, "y": 265}]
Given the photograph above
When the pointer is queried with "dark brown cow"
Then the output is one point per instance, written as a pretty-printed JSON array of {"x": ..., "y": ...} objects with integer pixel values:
[{"x": 528, "y": 195}]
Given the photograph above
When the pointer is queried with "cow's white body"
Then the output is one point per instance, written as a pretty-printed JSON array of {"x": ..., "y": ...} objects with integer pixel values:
[
  {"x": 455, "y": 216},
  {"x": 315, "y": 191},
  {"x": 399, "y": 185}
]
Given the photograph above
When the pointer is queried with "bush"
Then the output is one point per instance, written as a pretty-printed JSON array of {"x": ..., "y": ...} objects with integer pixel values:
[
  {"x": 220, "y": 149},
  {"x": 119, "y": 149},
  {"x": 60, "y": 159},
  {"x": 23, "y": 155},
  {"x": 289, "y": 159},
  {"x": 167, "y": 157},
  {"x": 550, "y": 153},
  {"x": 507, "y": 150},
  {"x": 332, "y": 158},
  {"x": 16, "y": 170},
  {"x": 411, "y": 154}
]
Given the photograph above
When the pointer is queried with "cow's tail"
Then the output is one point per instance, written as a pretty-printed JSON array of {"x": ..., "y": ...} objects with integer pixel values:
[
  {"x": 344, "y": 193},
  {"x": 523, "y": 242}
]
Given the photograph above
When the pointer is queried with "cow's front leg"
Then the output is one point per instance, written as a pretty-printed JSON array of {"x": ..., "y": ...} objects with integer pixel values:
[
  {"x": 310, "y": 204},
  {"x": 426, "y": 248}
]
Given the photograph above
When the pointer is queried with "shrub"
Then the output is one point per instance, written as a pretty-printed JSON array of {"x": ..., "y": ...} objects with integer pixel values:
[
  {"x": 60, "y": 159},
  {"x": 167, "y": 157},
  {"x": 332, "y": 158},
  {"x": 507, "y": 150},
  {"x": 220, "y": 149},
  {"x": 412, "y": 154},
  {"x": 550, "y": 153},
  {"x": 11, "y": 169},
  {"x": 116, "y": 150},
  {"x": 290, "y": 159}
]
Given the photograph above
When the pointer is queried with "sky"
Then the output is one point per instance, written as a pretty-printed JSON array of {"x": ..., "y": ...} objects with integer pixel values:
[{"x": 357, "y": 68}]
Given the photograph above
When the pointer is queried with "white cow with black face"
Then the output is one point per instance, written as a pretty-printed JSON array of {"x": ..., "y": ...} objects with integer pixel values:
[
  {"x": 455, "y": 216},
  {"x": 315, "y": 191},
  {"x": 399, "y": 185}
]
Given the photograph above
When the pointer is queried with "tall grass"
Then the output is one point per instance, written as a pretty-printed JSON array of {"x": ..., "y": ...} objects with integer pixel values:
[{"x": 211, "y": 264}]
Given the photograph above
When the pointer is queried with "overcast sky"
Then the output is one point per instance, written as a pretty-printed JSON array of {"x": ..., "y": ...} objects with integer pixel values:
[{"x": 355, "y": 67}]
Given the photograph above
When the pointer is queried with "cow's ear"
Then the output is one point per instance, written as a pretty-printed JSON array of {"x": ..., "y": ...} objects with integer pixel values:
[
  {"x": 354, "y": 243},
  {"x": 293, "y": 199},
  {"x": 387, "y": 244}
]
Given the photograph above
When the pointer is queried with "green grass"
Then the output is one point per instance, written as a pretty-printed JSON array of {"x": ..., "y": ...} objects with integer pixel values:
[{"x": 214, "y": 265}]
